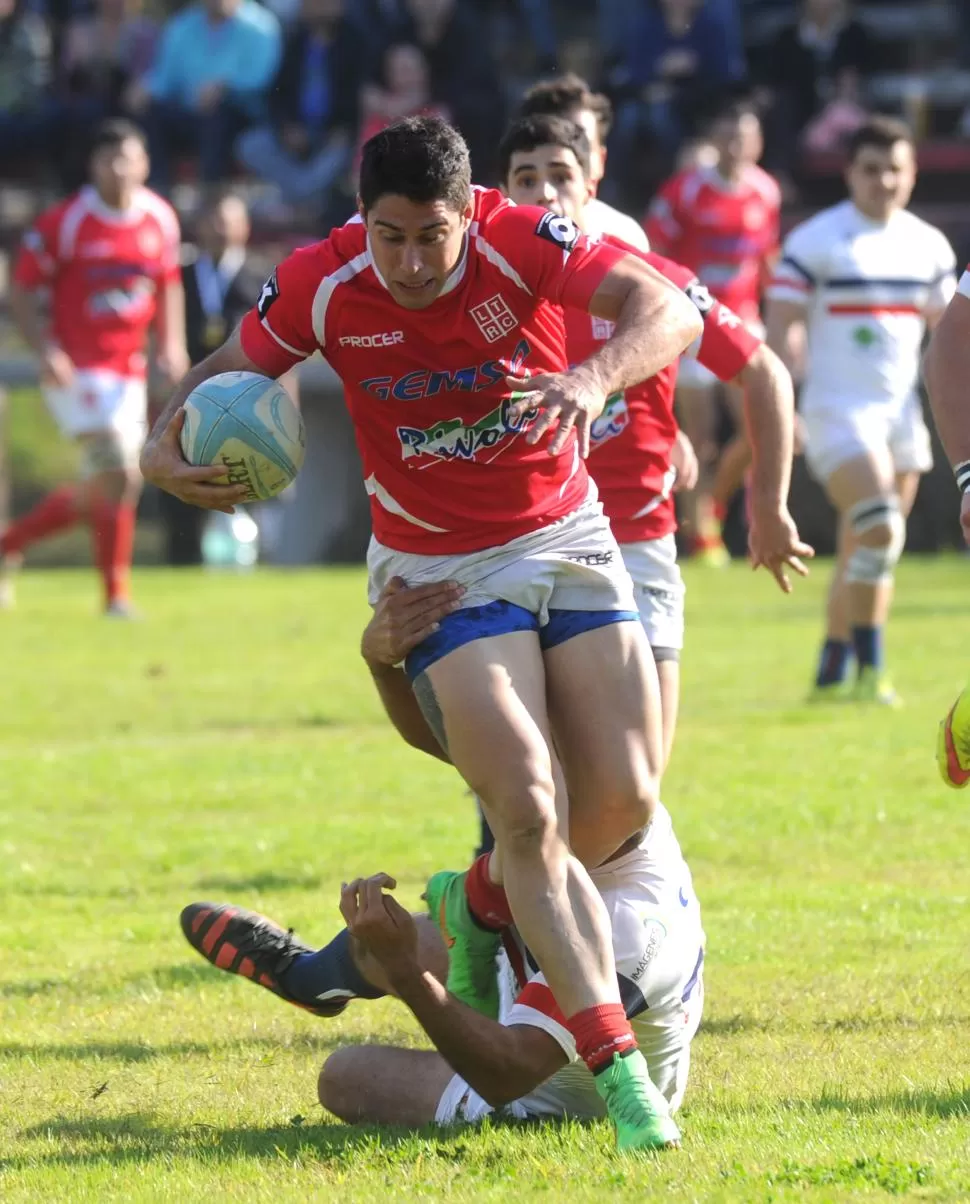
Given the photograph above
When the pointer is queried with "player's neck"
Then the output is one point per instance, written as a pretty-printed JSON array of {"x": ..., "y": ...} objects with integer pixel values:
[
  {"x": 882, "y": 218},
  {"x": 120, "y": 202},
  {"x": 733, "y": 176}
]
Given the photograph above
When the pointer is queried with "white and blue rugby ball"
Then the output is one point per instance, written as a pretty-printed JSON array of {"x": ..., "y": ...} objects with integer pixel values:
[{"x": 248, "y": 423}]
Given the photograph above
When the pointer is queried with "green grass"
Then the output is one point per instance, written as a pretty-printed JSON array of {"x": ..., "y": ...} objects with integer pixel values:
[{"x": 231, "y": 747}]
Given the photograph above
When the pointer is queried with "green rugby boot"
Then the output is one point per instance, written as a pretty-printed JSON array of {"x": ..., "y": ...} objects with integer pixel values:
[
  {"x": 638, "y": 1110},
  {"x": 472, "y": 949}
]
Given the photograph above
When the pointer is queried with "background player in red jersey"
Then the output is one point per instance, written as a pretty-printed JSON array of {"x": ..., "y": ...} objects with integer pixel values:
[
  {"x": 109, "y": 255},
  {"x": 723, "y": 223},
  {"x": 431, "y": 307},
  {"x": 546, "y": 161}
]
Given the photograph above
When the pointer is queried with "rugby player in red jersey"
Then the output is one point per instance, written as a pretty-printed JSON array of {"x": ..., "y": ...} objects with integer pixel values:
[
  {"x": 546, "y": 161},
  {"x": 722, "y": 222},
  {"x": 432, "y": 306},
  {"x": 109, "y": 255}
]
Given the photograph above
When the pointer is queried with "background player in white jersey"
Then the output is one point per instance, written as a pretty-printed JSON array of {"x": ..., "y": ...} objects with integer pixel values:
[
  {"x": 864, "y": 278},
  {"x": 947, "y": 371},
  {"x": 526, "y": 1064},
  {"x": 570, "y": 96}
]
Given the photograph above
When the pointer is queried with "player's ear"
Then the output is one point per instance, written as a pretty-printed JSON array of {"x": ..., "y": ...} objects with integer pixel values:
[
  {"x": 360, "y": 209},
  {"x": 469, "y": 213}
]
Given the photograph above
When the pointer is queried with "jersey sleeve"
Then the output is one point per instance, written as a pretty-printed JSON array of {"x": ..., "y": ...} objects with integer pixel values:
[
  {"x": 37, "y": 260},
  {"x": 944, "y": 283},
  {"x": 170, "y": 268},
  {"x": 277, "y": 333},
  {"x": 800, "y": 267},
  {"x": 548, "y": 255},
  {"x": 663, "y": 222}
]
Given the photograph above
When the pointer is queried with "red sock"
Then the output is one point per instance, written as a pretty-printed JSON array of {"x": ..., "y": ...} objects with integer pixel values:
[
  {"x": 114, "y": 538},
  {"x": 720, "y": 512},
  {"x": 486, "y": 901},
  {"x": 600, "y": 1032},
  {"x": 56, "y": 512}
]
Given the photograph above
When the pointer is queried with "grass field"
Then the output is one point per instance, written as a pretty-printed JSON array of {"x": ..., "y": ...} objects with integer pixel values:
[{"x": 230, "y": 747}]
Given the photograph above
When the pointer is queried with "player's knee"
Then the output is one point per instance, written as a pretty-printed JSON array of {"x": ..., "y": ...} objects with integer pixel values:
[
  {"x": 879, "y": 530},
  {"x": 630, "y": 806},
  {"x": 523, "y": 816},
  {"x": 336, "y": 1085}
]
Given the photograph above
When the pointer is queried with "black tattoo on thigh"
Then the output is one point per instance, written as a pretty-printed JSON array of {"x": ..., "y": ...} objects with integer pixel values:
[{"x": 425, "y": 695}]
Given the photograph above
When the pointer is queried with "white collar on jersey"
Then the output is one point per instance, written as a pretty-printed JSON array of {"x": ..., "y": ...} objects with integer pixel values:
[
  {"x": 115, "y": 217},
  {"x": 456, "y": 277},
  {"x": 718, "y": 182}
]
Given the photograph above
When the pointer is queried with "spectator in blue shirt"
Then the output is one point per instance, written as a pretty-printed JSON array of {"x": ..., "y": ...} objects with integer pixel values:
[
  {"x": 677, "y": 55},
  {"x": 216, "y": 61},
  {"x": 307, "y": 143}
]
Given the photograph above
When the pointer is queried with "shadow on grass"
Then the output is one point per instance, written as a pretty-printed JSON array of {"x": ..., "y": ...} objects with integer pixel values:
[
  {"x": 281, "y": 724},
  {"x": 931, "y": 1102},
  {"x": 137, "y": 1138},
  {"x": 268, "y": 881},
  {"x": 128, "y": 1052},
  {"x": 81, "y": 986}
]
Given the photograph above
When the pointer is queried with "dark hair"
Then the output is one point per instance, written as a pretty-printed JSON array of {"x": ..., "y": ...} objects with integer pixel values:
[
  {"x": 562, "y": 95},
  {"x": 542, "y": 129},
  {"x": 733, "y": 108},
  {"x": 421, "y": 158},
  {"x": 113, "y": 132},
  {"x": 880, "y": 131}
]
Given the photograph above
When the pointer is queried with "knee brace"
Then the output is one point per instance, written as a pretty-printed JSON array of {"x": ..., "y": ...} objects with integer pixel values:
[{"x": 872, "y": 565}]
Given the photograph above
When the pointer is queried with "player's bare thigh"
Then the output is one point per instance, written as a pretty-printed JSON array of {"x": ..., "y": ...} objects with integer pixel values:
[
  {"x": 381, "y": 1084},
  {"x": 865, "y": 476},
  {"x": 604, "y": 705}
]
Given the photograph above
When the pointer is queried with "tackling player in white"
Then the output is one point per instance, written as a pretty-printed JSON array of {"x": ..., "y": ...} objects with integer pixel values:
[{"x": 864, "y": 278}]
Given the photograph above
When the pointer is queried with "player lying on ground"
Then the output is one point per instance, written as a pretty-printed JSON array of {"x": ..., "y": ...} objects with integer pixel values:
[
  {"x": 947, "y": 373},
  {"x": 432, "y": 307},
  {"x": 110, "y": 257},
  {"x": 481, "y": 1065},
  {"x": 864, "y": 278}
]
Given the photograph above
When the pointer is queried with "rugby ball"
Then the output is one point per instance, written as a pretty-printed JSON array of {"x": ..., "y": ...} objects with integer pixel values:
[{"x": 249, "y": 424}]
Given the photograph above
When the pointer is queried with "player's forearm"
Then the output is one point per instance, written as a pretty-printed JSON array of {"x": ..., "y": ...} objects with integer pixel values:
[
  {"x": 170, "y": 320},
  {"x": 403, "y": 710},
  {"x": 769, "y": 409},
  {"x": 493, "y": 1059},
  {"x": 656, "y": 323},
  {"x": 785, "y": 335},
  {"x": 26, "y": 315},
  {"x": 946, "y": 371}
]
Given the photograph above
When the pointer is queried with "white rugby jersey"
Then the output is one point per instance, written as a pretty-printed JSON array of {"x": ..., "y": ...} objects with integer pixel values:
[
  {"x": 600, "y": 218},
  {"x": 869, "y": 288},
  {"x": 658, "y": 944}
]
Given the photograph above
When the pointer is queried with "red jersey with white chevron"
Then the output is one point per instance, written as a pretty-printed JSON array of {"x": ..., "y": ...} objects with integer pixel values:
[
  {"x": 446, "y": 467},
  {"x": 104, "y": 268},
  {"x": 631, "y": 440},
  {"x": 727, "y": 233}
]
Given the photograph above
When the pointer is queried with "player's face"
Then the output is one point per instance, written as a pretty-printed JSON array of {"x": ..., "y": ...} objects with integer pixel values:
[
  {"x": 586, "y": 119},
  {"x": 881, "y": 181},
  {"x": 738, "y": 141},
  {"x": 416, "y": 247},
  {"x": 549, "y": 176},
  {"x": 118, "y": 169}
]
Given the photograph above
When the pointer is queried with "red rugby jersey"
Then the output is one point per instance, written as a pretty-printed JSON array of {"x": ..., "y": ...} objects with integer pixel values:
[
  {"x": 631, "y": 440},
  {"x": 445, "y": 466},
  {"x": 726, "y": 234},
  {"x": 104, "y": 267}
]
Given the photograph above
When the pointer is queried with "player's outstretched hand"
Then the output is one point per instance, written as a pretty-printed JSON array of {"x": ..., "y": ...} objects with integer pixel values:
[
  {"x": 163, "y": 464},
  {"x": 564, "y": 399},
  {"x": 404, "y": 616},
  {"x": 379, "y": 922},
  {"x": 773, "y": 541},
  {"x": 683, "y": 459}
]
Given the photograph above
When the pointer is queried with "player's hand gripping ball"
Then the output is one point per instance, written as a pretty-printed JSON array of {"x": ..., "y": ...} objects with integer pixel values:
[{"x": 249, "y": 424}]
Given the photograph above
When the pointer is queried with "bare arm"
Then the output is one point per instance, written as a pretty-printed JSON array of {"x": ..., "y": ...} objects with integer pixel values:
[
  {"x": 500, "y": 1062},
  {"x": 785, "y": 322},
  {"x": 173, "y": 358},
  {"x": 54, "y": 363},
  {"x": 946, "y": 370}
]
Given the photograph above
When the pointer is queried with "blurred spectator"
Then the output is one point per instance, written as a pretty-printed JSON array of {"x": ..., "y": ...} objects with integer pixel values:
[
  {"x": 220, "y": 286},
  {"x": 464, "y": 76},
  {"x": 676, "y": 55},
  {"x": 308, "y": 142},
  {"x": 816, "y": 64},
  {"x": 26, "y": 115},
  {"x": 404, "y": 91},
  {"x": 103, "y": 55},
  {"x": 214, "y": 65}
]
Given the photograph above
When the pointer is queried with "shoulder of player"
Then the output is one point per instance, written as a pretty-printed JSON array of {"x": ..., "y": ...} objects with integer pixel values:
[
  {"x": 917, "y": 227},
  {"x": 154, "y": 206},
  {"x": 817, "y": 231},
  {"x": 765, "y": 185}
]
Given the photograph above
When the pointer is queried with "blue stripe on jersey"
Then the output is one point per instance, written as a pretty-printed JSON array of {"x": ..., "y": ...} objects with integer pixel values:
[
  {"x": 803, "y": 272},
  {"x": 861, "y": 282}
]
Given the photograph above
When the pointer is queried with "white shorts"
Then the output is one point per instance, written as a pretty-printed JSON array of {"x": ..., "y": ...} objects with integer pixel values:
[
  {"x": 573, "y": 564},
  {"x": 665, "y": 1044},
  {"x": 659, "y": 588},
  {"x": 100, "y": 401},
  {"x": 833, "y": 437}
]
